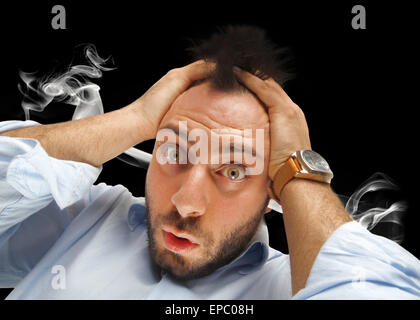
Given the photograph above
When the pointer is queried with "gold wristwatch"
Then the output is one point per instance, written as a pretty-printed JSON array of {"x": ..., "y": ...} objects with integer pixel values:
[{"x": 305, "y": 164}]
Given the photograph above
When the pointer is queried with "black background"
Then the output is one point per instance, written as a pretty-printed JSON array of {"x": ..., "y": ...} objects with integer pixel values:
[{"x": 354, "y": 86}]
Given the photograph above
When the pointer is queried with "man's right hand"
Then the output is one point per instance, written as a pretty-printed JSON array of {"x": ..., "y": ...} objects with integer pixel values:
[
  {"x": 153, "y": 105},
  {"x": 98, "y": 139}
]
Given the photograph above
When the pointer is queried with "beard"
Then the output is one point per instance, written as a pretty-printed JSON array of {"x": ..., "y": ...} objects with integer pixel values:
[{"x": 215, "y": 255}]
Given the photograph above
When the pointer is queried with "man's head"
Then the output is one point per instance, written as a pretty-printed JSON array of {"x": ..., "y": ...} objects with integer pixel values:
[{"x": 202, "y": 215}]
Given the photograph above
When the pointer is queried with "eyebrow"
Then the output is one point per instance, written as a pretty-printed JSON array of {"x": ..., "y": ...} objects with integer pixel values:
[{"x": 232, "y": 148}]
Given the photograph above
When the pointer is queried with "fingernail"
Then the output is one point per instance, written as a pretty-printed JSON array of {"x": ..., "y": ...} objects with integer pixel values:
[{"x": 236, "y": 69}]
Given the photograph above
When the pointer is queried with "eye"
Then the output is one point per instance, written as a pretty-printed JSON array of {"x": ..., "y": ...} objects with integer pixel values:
[
  {"x": 233, "y": 172},
  {"x": 170, "y": 154}
]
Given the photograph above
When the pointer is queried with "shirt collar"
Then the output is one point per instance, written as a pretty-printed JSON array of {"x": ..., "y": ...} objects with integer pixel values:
[
  {"x": 136, "y": 214},
  {"x": 254, "y": 256}
]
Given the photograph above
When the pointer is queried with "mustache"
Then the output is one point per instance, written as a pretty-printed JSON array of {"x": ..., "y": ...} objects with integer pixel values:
[
  {"x": 189, "y": 224},
  {"x": 173, "y": 218}
]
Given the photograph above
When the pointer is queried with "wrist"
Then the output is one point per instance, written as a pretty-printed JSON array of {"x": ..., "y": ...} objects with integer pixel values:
[
  {"x": 274, "y": 168},
  {"x": 299, "y": 187},
  {"x": 302, "y": 164},
  {"x": 143, "y": 129}
]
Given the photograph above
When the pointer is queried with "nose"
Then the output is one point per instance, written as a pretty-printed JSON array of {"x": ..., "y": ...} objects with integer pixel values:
[{"x": 192, "y": 197}]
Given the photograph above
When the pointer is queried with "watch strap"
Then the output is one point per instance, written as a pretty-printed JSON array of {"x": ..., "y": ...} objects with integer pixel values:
[{"x": 285, "y": 173}]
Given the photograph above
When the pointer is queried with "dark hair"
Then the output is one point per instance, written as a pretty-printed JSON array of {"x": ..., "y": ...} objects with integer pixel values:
[{"x": 246, "y": 47}]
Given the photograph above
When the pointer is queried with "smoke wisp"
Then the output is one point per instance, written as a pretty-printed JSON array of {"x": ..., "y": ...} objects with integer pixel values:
[
  {"x": 371, "y": 214},
  {"x": 74, "y": 87}
]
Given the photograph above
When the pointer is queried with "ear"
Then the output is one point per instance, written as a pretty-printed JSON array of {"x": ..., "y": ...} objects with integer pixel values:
[
  {"x": 267, "y": 210},
  {"x": 270, "y": 195}
]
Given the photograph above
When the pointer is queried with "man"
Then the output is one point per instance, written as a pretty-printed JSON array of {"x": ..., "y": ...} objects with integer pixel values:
[{"x": 200, "y": 233}]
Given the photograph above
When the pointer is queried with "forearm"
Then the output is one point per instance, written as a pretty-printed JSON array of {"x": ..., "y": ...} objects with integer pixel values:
[
  {"x": 93, "y": 140},
  {"x": 311, "y": 213}
]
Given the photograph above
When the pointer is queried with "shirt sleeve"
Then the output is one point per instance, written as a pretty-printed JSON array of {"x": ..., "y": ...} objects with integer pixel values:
[
  {"x": 39, "y": 196},
  {"x": 355, "y": 264}
]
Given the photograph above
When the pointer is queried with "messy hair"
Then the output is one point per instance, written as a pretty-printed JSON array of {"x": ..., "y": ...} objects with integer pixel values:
[{"x": 246, "y": 47}]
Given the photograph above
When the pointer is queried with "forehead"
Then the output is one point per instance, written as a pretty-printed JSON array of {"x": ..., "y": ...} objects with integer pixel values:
[{"x": 207, "y": 108}]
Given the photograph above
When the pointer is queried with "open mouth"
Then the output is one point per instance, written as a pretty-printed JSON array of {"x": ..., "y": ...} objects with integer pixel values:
[{"x": 178, "y": 243}]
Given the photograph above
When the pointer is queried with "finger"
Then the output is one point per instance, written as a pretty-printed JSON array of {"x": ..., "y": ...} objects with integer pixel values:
[
  {"x": 181, "y": 78},
  {"x": 198, "y": 70},
  {"x": 268, "y": 91},
  {"x": 178, "y": 80}
]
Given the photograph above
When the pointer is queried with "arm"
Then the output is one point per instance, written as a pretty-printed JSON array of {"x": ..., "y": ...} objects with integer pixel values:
[
  {"x": 30, "y": 221},
  {"x": 39, "y": 164},
  {"x": 98, "y": 139},
  {"x": 93, "y": 140},
  {"x": 311, "y": 210},
  {"x": 311, "y": 213}
]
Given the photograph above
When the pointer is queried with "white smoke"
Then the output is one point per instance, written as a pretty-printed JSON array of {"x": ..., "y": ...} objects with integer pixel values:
[
  {"x": 74, "y": 87},
  {"x": 372, "y": 215},
  {"x": 375, "y": 213}
]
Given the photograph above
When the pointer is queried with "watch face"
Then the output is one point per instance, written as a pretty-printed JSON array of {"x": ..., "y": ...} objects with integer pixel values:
[{"x": 315, "y": 161}]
